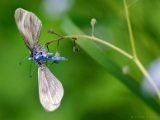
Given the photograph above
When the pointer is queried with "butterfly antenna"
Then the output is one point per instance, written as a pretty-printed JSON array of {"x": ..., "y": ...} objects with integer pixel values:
[{"x": 23, "y": 60}]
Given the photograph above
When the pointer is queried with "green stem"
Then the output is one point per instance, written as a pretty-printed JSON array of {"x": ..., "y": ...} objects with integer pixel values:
[
  {"x": 95, "y": 39},
  {"x": 107, "y": 44},
  {"x": 130, "y": 29},
  {"x": 92, "y": 30},
  {"x": 138, "y": 63},
  {"x": 145, "y": 73}
]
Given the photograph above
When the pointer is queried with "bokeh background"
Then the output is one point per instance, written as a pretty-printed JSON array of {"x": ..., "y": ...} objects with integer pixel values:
[{"x": 94, "y": 88}]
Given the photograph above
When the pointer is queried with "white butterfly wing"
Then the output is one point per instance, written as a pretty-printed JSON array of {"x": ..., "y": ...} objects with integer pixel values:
[
  {"x": 50, "y": 89},
  {"x": 29, "y": 26}
]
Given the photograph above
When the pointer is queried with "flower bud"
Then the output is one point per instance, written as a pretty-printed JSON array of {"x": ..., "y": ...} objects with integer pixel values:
[
  {"x": 93, "y": 21},
  {"x": 50, "y": 31},
  {"x": 125, "y": 70},
  {"x": 75, "y": 49}
]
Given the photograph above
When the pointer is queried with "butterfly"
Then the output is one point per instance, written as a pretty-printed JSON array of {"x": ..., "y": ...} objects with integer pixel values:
[{"x": 50, "y": 88}]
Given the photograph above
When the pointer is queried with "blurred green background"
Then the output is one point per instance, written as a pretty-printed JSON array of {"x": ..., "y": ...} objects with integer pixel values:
[{"x": 94, "y": 88}]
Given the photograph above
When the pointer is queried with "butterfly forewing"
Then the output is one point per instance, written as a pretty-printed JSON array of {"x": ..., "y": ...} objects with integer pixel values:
[
  {"x": 50, "y": 89},
  {"x": 29, "y": 26}
]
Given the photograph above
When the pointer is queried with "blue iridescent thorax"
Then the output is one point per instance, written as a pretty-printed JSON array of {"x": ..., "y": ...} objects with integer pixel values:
[{"x": 40, "y": 56}]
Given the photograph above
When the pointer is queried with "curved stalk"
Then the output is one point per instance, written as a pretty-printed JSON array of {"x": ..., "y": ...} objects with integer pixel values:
[{"x": 135, "y": 59}]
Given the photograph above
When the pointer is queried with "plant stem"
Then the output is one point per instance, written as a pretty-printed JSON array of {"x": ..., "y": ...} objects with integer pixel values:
[
  {"x": 135, "y": 59},
  {"x": 95, "y": 39},
  {"x": 107, "y": 44},
  {"x": 130, "y": 29},
  {"x": 92, "y": 30},
  {"x": 145, "y": 73}
]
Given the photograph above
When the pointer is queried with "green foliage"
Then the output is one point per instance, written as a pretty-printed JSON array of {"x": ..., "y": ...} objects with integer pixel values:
[{"x": 94, "y": 86}]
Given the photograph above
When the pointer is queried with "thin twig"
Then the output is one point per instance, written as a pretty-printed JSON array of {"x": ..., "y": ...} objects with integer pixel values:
[
  {"x": 130, "y": 30},
  {"x": 107, "y": 44},
  {"x": 136, "y": 60},
  {"x": 93, "y": 31},
  {"x": 45, "y": 45},
  {"x": 95, "y": 39}
]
